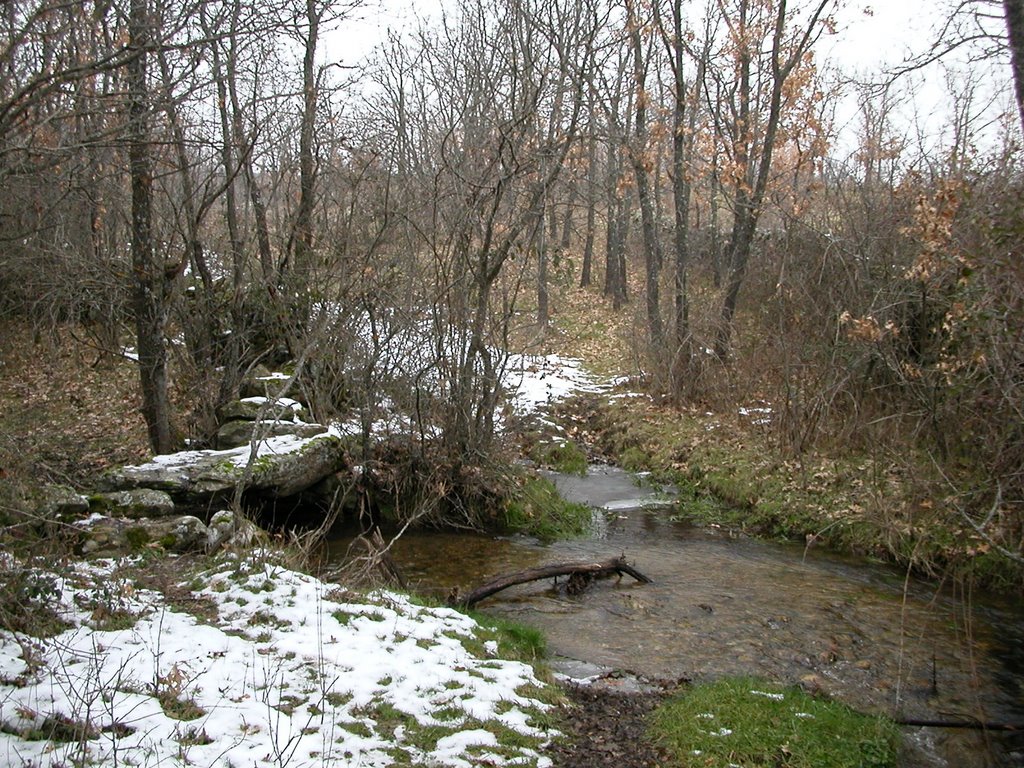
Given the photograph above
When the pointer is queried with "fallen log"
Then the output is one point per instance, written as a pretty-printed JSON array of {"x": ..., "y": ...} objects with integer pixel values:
[
  {"x": 582, "y": 573},
  {"x": 974, "y": 725}
]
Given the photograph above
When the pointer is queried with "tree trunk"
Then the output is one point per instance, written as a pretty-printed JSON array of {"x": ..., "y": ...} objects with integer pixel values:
[
  {"x": 612, "y": 278},
  {"x": 592, "y": 173},
  {"x": 150, "y": 288},
  {"x": 303, "y": 233},
  {"x": 259, "y": 208},
  {"x": 542, "y": 242},
  {"x": 684, "y": 130},
  {"x": 566, "y": 240},
  {"x": 639, "y": 157},
  {"x": 588, "y": 244},
  {"x": 756, "y": 159},
  {"x": 1013, "y": 12}
]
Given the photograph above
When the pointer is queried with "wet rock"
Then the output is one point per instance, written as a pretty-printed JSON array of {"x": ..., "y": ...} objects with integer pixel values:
[
  {"x": 238, "y": 433},
  {"x": 134, "y": 504}
]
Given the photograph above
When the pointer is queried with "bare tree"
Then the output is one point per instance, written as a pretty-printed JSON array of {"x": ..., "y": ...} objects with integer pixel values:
[
  {"x": 639, "y": 154},
  {"x": 1013, "y": 13},
  {"x": 754, "y": 127}
]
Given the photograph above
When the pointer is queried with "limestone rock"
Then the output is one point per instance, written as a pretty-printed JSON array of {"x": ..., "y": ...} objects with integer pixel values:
[
  {"x": 239, "y": 410},
  {"x": 283, "y": 466},
  {"x": 109, "y": 536},
  {"x": 134, "y": 504},
  {"x": 286, "y": 474},
  {"x": 262, "y": 382},
  {"x": 237, "y": 433},
  {"x": 253, "y": 408},
  {"x": 58, "y": 502},
  {"x": 227, "y": 531}
]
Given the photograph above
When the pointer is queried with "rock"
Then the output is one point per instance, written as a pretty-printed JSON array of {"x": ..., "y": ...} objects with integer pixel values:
[
  {"x": 248, "y": 409},
  {"x": 237, "y": 433},
  {"x": 134, "y": 504},
  {"x": 225, "y": 531},
  {"x": 262, "y": 382},
  {"x": 239, "y": 410},
  {"x": 289, "y": 473},
  {"x": 58, "y": 502},
  {"x": 109, "y": 536},
  {"x": 284, "y": 466},
  {"x": 814, "y": 685}
]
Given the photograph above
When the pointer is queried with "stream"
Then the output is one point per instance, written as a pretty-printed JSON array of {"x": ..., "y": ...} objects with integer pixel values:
[{"x": 722, "y": 605}]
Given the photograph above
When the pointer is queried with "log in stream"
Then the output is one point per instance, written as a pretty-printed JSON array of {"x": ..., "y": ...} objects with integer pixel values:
[{"x": 580, "y": 574}]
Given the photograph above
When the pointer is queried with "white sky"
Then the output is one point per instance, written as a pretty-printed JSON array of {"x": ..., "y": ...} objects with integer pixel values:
[{"x": 872, "y": 35}]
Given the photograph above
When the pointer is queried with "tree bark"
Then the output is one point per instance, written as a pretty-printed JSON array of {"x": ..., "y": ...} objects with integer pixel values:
[
  {"x": 303, "y": 233},
  {"x": 1013, "y": 12},
  {"x": 150, "y": 300},
  {"x": 643, "y": 191},
  {"x": 588, "y": 244},
  {"x": 756, "y": 160}
]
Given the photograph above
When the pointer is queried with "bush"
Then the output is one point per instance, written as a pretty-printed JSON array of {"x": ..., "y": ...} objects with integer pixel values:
[{"x": 27, "y": 599}]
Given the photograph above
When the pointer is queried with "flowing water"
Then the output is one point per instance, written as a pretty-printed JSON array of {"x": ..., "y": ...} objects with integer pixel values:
[{"x": 726, "y": 605}]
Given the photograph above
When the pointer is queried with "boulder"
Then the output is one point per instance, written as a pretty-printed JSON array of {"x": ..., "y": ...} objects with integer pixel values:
[
  {"x": 134, "y": 504},
  {"x": 253, "y": 408},
  {"x": 240, "y": 410},
  {"x": 285, "y": 474},
  {"x": 110, "y": 536},
  {"x": 262, "y": 382},
  {"x": 58, "y": 502},
  {"x": 227, "y": 530},
  {"x": 283, "y": 466},
  {"x": 237, "y": 433}
]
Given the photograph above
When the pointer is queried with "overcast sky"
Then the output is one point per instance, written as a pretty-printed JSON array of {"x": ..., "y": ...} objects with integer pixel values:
[{"x": 873, "y": 35}]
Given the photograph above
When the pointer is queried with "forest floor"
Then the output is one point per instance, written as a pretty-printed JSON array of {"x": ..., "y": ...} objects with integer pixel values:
[
  {"x": 608, "y": 729},
  {"x": 67, "y": 414}
]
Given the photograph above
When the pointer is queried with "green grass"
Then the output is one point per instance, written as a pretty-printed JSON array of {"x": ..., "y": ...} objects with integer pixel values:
[
  {"x": 753, "y": 723},
  {"x": 515, "y": 641},
  {"x": 537, "y": 509},
  {"x": 565, "y": 457}
]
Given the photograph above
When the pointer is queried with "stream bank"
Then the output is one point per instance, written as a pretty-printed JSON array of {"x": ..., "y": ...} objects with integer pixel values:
[{"x": 723, "y": 605}]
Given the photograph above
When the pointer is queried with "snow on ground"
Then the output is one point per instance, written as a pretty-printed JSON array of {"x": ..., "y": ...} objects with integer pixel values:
[
  {"x": 533, "y": 381},
  {"x": 292, "y": 672}
]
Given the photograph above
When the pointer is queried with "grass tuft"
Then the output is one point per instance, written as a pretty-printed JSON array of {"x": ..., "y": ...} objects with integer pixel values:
[
  {"x": 750, "y": 722},
  {"x": 539, "y": 510},
  {"x": 565, "y": 457}
]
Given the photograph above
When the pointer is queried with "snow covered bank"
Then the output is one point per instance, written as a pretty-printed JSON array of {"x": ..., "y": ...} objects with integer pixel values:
[
  {"x": 290, "y": 671},
  {"x": 534, "y": 381}
]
